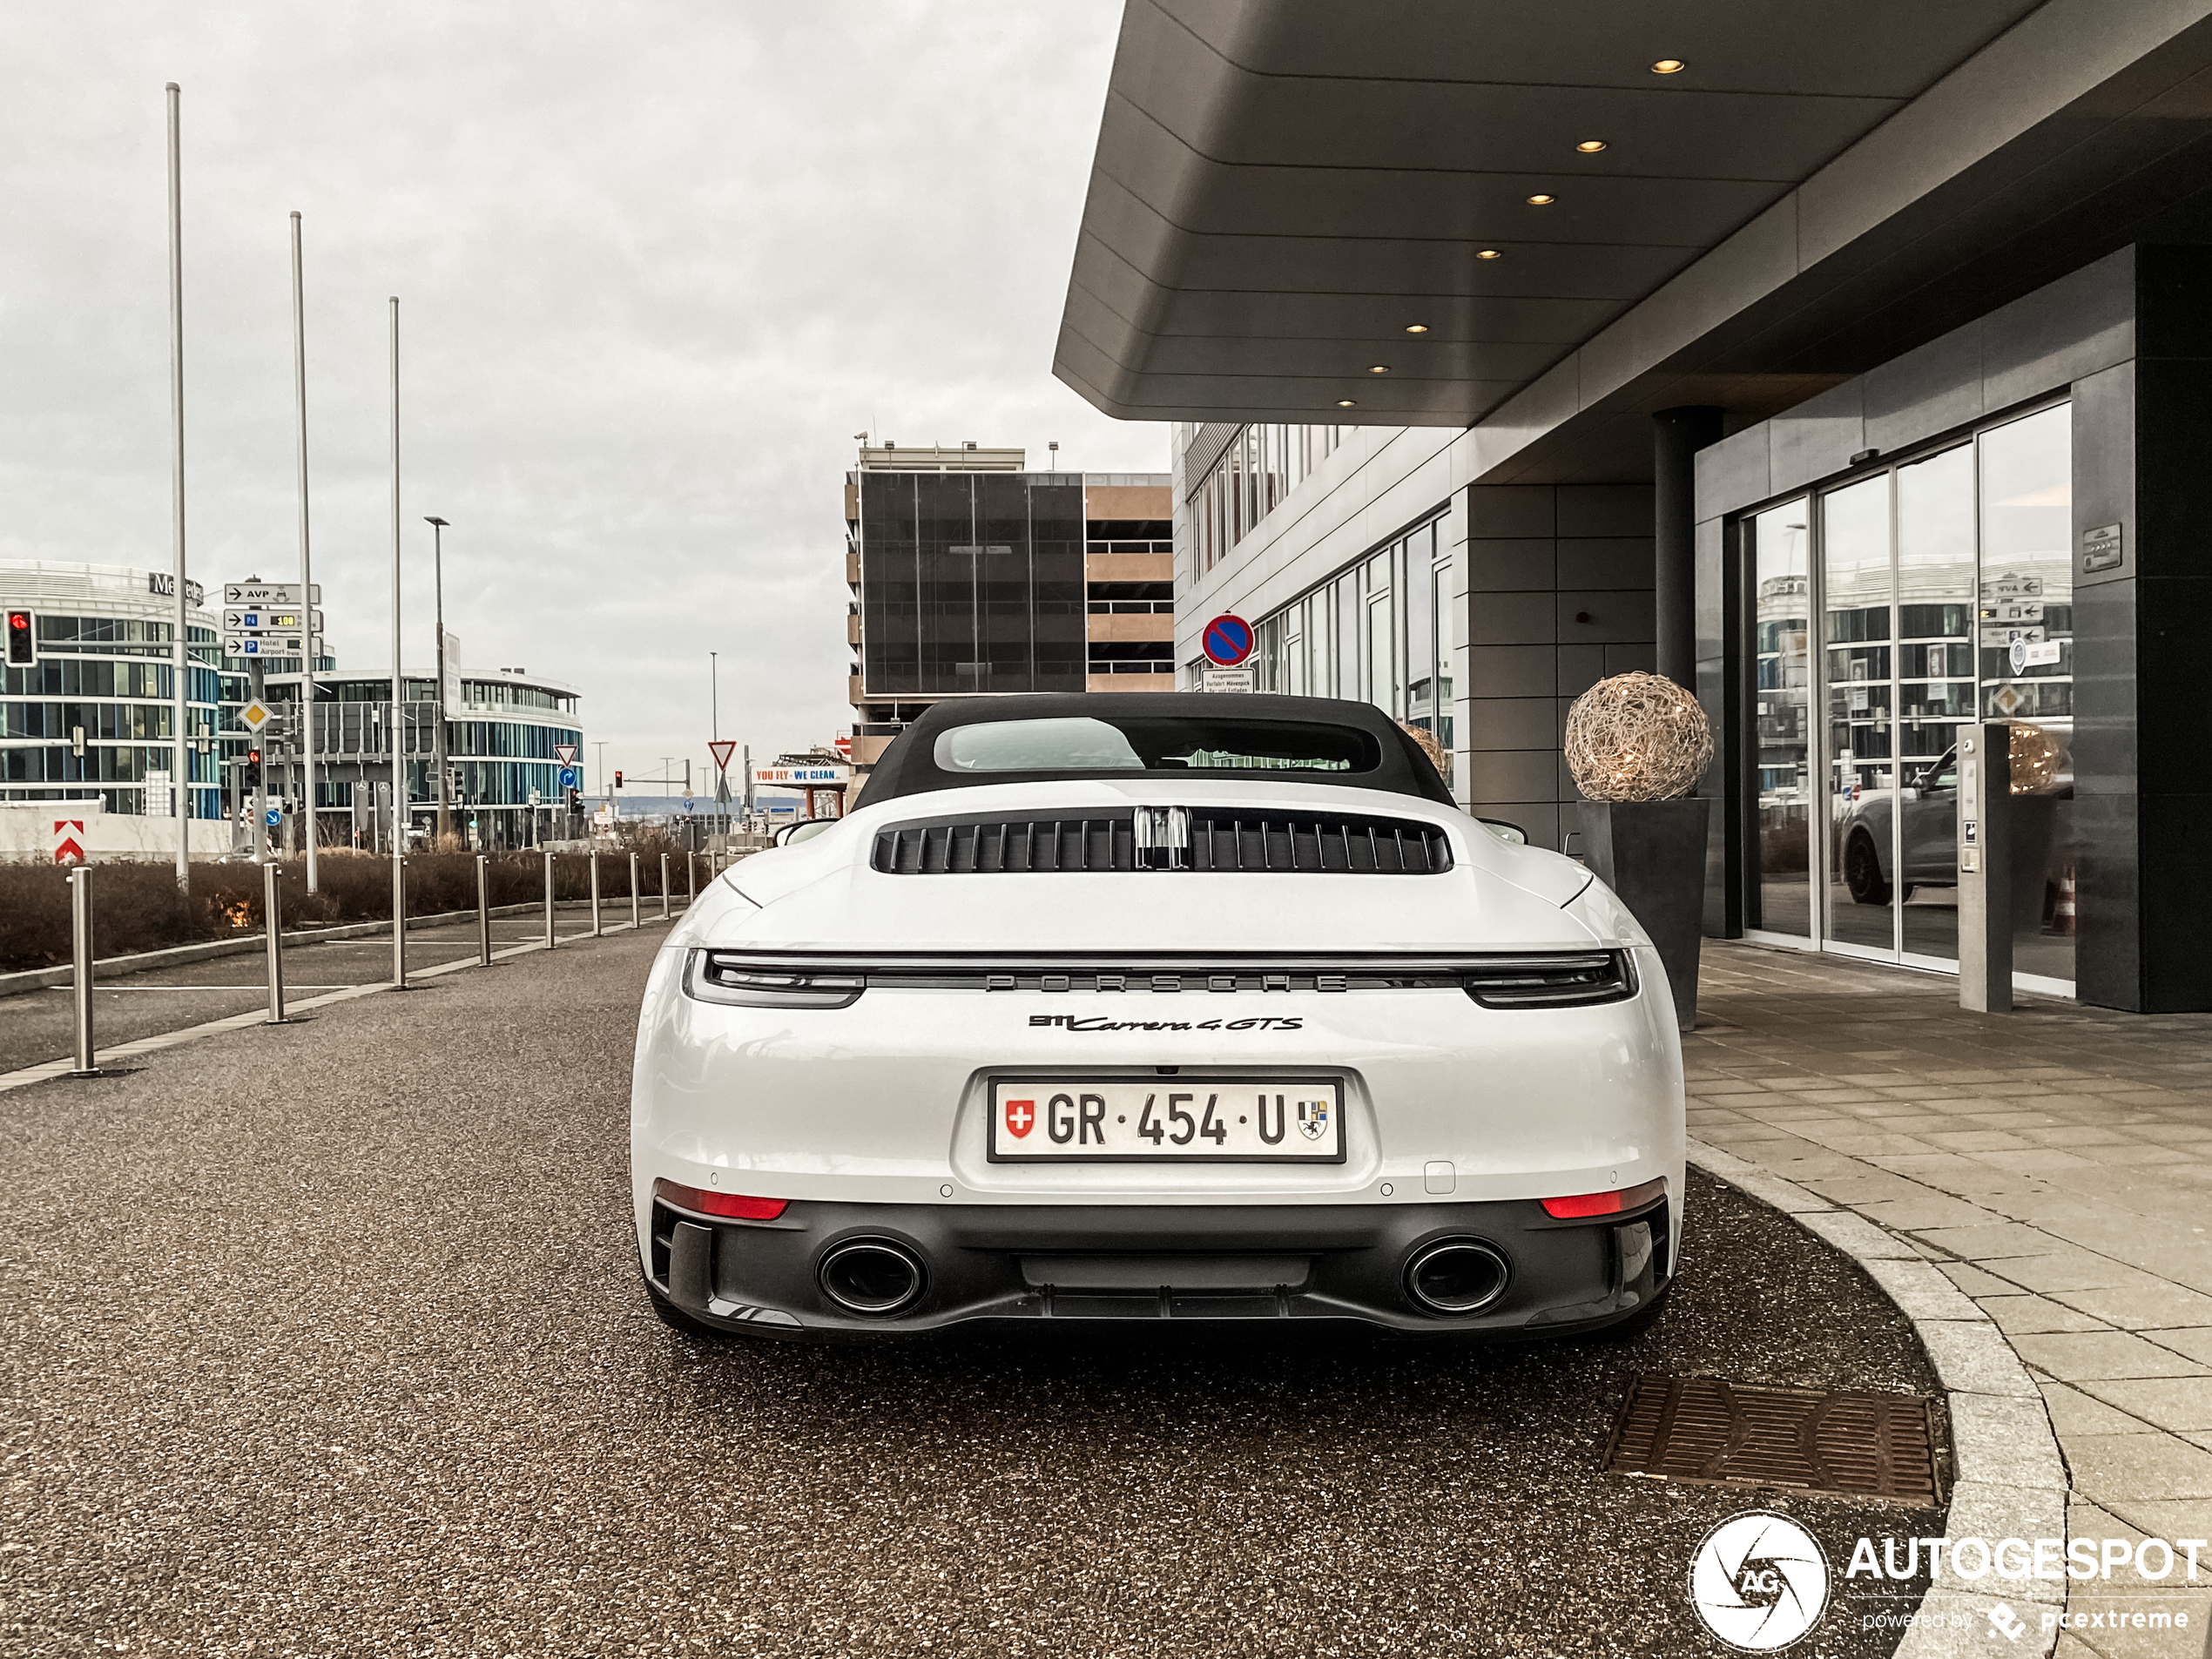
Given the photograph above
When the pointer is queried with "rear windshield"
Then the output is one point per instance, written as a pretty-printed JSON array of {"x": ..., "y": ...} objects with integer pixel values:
[{"x": 1138, "y": 744}]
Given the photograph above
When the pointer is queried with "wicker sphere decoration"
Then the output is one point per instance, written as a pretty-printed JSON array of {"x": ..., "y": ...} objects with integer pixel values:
[{"x": 1637, "y": 737}]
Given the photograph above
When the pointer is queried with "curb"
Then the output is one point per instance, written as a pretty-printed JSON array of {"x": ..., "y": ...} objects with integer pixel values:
[
  {"x": 2008, "y": 1479},
  {"x": 39, "y": 978}
]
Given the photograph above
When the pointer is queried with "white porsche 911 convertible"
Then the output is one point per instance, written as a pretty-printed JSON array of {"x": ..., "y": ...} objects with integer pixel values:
[{"x": 1157, "y": 1007}]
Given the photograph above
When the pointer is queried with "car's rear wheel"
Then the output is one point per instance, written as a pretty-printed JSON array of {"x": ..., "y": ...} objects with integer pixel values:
[{"x": 1863, "y": 871}]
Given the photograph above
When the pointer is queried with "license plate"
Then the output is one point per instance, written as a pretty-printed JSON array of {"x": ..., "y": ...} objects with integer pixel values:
[{"x": 1174, "y": 1120}]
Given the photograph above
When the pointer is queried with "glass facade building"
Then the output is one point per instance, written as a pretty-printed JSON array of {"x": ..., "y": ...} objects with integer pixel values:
[
  {"x": 971, "y": 582},
  {"x": 93, "y": 717}
]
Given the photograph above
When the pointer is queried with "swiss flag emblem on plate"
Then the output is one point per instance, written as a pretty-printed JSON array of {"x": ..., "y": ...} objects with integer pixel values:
[{"x": 1020, "y": 1117}]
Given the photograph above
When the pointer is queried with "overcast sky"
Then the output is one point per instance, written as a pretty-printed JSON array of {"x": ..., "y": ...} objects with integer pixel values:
[{"x": 656, "y": 265}]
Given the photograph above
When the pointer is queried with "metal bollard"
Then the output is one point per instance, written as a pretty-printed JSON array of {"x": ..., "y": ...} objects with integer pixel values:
[
  {"x": 664, "y": 886},
  {"x": 398, "y": 922},
  {"x": 80, "y": 928},
  {"x": 273, "y": 927},
  {"x": 548, "y": 855},
  {"x": 484, "y": 910},
  {"x": 634, "y": 919},
  {"x": 594, "y": 893}
]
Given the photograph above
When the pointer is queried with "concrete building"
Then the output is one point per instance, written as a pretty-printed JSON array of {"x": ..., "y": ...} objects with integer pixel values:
[
  {"x": 971, "y": 576},
  {"x": 1847, "y": 364}
]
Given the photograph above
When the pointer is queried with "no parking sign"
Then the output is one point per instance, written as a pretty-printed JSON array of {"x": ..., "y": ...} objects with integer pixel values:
[{"x": 1227, "y": 640}]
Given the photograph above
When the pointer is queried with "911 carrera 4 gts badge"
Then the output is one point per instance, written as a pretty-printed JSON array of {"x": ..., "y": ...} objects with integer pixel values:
[
  {"x": 1313, "y": 1118},
  {"x": 1020, "y": 1117}
]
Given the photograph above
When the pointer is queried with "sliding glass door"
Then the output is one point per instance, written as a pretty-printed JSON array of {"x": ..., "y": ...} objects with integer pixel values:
[{"x": 1940, "y": 591}]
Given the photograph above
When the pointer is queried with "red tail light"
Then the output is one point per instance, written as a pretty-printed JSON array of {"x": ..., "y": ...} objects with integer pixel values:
[
  {"x": 735, "y": 1206},
  {"x": 1603, "y": 1204}
]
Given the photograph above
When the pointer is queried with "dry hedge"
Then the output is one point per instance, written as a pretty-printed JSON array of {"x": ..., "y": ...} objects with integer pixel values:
[{"x": 138, "y": 907}]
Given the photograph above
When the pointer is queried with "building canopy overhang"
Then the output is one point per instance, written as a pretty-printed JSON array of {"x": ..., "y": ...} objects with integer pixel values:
[{"x": 1285, "y": 190}]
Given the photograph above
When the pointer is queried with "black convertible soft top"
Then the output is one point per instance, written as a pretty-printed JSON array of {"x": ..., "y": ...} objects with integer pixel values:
[{"x": 1389, "y": 759}]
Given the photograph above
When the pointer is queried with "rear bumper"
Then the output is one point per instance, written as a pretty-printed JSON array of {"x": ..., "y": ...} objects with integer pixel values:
[{"x": 1005, "y": 1263}]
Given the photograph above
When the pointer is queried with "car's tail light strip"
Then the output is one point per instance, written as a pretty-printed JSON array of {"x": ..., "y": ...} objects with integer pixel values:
[
  {"x": 1221, "y": 840},
  {"x": 1541, "y": 979}
]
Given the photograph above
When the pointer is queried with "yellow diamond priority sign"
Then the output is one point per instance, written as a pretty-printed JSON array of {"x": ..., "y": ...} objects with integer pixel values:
[{"x": 254, "y": 715}]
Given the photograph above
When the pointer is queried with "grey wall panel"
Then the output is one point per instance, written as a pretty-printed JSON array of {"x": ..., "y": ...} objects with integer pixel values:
[
  {"x": 1605, "y": 617},
  {"x": 1511, "y": 619},
  {"x": 1931, "y": 390},
  {"x": 1605, "y": 509},
  {"x": 1816, "y": 438},
  {"x": 1739, "y": 469},
  {"x": 1520, "y": 565},
  {"x": 1614, "y": 562},
  {"x": 1512, "y": 670},
  {"x": 1510, "y": 509},
  {"x": 1505, "y": 723},
  {"x": 2066, "y": 332}
]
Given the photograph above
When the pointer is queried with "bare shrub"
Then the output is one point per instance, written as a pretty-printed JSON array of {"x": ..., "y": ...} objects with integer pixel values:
[{"x": 137, "y": 907}]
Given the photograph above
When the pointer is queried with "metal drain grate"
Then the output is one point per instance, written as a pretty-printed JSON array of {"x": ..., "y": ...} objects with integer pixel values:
[{"x": 1743, "y": 1434}]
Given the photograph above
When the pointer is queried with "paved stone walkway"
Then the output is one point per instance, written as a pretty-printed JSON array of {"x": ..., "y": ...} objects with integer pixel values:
[{"x": 2055, "y": 1164}]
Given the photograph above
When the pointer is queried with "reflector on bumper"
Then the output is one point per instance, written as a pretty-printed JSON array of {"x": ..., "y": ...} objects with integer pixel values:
[
  {"x": 1580, "y": 1204},
  {"x": 737, "y": 1206}
]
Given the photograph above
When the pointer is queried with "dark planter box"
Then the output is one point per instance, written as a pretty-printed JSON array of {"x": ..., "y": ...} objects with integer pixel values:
[{"x": 1652, "y": 854}]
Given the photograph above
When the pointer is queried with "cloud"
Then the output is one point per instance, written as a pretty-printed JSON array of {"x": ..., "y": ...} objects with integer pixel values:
[{"x": 657, "y": 264}]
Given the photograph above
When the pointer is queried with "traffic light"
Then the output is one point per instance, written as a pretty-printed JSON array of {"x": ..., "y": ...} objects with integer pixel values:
[
  {"x": 23, "y": 643},
  {"x": 617, "y": 780},
  {"x": 576, "y": 800},
  {"x": 252, "y": 777}
]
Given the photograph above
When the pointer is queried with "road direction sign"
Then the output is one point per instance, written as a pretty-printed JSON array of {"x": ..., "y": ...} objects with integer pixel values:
[
  {"x": 273, "y": 818},
  {"x": 721, "y": 749},
  {"x": 266, "y": 645},
  {"x": 252, "y": 619},
  {"x": 254, "y": 716},
  {"x": 1227, "y": 640},
  {"x": 269, "y": 593},
  {"x": 565, "y": 754},
  {"x": 572, "y": 779}
]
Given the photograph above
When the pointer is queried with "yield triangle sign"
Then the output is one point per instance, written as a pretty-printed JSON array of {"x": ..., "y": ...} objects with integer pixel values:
[
  {"x": 254, "y": 716},
  {"x": 565, "y": 753},
  {"x": 721, "y": 752}
]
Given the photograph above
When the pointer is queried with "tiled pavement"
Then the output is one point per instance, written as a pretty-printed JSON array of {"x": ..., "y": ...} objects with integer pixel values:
[{"x": 2055, "y": 1163}]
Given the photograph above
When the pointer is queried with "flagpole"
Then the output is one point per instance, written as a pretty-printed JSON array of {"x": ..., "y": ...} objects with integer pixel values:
[
  {"x": 307, "y": 561},
  {"x": 180, "y": 654}
]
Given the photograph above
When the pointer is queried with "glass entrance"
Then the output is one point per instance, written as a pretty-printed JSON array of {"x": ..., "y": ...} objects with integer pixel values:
[{"x": 1939, "y": 590}]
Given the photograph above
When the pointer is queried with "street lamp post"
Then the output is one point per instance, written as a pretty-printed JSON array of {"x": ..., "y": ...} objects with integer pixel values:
[{"x": 438, "y": 738}]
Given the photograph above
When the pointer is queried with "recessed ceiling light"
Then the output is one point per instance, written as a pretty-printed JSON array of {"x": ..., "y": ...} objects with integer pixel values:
[
  {"x": 1669, "y": 66},
  {"x": 1591, "y": 146},
  {"x": 1540, "y": 200},
  {"x": 1489, "y": 254},
  {"x": 1416, "y": 327},
  {"x": 1380, "y": 368},
  {"x": 1345, "y": 403}
]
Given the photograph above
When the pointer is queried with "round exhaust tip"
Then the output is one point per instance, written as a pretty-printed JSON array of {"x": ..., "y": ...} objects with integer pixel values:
[
  {"x": 871, "y": 1276},
  {"x": 1457, "y": 1275}
]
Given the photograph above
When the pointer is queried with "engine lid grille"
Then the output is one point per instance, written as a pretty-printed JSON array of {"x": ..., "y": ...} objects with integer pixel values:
[{"x": 1206, "y": 839}]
